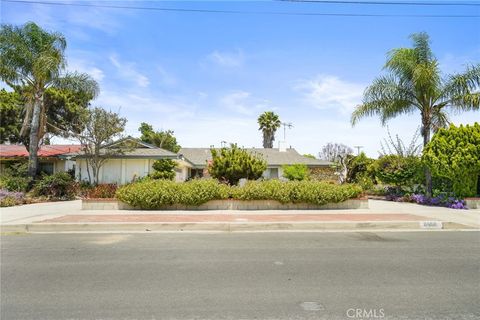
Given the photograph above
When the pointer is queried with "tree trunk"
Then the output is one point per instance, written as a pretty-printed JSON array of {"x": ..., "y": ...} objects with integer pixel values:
[
  {"x": 265, "y": 139},
  {"x": 34, "y": 130},
  {"x": 428, "y": 174}
]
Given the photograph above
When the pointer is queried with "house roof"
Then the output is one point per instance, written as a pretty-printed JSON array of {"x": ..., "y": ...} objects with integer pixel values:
[
  {"x": 200, "y": 156},
  {"x": 137, "y": 153},
  {"x": 54, "y": 150},
  {"x": 144, "y": 150},
  {"x": 136, "y": 141}
]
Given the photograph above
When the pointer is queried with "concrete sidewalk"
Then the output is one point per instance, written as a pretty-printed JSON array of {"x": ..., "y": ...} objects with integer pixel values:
[{"x": 381, "y": 215}]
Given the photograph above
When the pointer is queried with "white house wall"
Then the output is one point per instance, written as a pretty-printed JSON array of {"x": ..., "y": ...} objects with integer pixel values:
[{"x": 122, "y": 171}]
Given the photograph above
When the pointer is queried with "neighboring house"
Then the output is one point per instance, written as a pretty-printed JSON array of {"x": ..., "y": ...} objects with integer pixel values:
[
  {"x": 275, "y": 158},
  {"x": 50, "y": 157},
  {"x": 133, "y": 161}
]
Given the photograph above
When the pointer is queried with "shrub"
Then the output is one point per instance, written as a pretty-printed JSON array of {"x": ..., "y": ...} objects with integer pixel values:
[
  {"x": 59, "y": 186},
  {"x": 359, "y": 170},
  {"x": 163, "y": 169},
  {"x": 156, "y": 194},
  {"x": 8, "y": 198},
  {"x": 454, "y": 154},
  {"x": 398, "y": 170},
  {"x": 14, "y": 183},
  {"x": 15, "y": 178},
  {"x": 323, "y": 173},
  {"x": 102, "y": 191},
  {"x": 232, "y": 164},
  {"x": 295, "y": 172}
]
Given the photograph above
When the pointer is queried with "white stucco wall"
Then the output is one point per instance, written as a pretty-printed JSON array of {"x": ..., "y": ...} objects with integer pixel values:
[{"x": 121, "y": 171}]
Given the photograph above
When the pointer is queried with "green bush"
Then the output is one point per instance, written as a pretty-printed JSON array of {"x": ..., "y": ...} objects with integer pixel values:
[
  {"x": 14, "y": 183},
  {"x": 59, "y": 186},
  {"x": 359, "y": 170},
  {"x": 163, "y": 169},
  {"x": 454, "y": 154},
  {"x": 296, "y": 172},
  {"x": 14, "y": 177},
  {"x": 156, "y": 194},
  {"x": 398, "y": 170},
  {"x": 234, "y": 163}
]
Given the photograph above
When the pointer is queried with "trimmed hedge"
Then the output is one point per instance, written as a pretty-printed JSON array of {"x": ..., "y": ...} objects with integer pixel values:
[{"x": 156, "y": 194}]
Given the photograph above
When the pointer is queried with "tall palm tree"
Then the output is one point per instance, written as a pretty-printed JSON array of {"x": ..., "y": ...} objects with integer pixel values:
[
  {"x": 414, "y": 83},
  {"x": 31, "y": 61},
  {"x": 268, "y": 122}
]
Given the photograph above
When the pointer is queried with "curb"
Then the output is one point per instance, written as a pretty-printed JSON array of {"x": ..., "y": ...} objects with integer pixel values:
[{"x": 226, "y": 227}]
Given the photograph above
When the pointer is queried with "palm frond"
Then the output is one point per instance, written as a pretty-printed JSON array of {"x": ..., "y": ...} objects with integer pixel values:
[
  {"x": 462, "y": 91},
  {"x": 421, "y": 46},
  {"x": 386, "y": 98},
  {"x": 439, "y": 119},
  {"x": 78, "y": 82}
]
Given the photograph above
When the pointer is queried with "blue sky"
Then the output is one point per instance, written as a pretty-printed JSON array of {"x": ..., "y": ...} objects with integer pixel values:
[{"x": 208, "y": 76}]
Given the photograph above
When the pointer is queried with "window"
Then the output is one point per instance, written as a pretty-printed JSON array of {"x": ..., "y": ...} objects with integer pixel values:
[{"x": 45, "y": 167}]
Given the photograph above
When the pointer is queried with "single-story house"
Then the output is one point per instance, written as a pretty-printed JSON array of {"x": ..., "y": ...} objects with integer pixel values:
[
  {"x": 134, "y": 161},
  {"x": 49, "y": 156},
  {"x": 130, "y": 158},
  {"x": 275, "y": 158}
]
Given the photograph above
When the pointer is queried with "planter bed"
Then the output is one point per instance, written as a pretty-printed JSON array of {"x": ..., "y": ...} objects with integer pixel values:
[
  {"x": 114, "y": 204},
  {"x": 473, "y": 203}
]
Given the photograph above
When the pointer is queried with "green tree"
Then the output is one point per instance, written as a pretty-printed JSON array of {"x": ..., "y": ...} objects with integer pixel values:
[
  {"x": 162, "y": 139},
  {"x": 297, "y": 172},
  {"x": 232, "y": 164},
  {"x": 454, "y": 153},
  {"x": 64, "y": 115},
  {"x": 10, "y": 116},
  {"x": 101, "y": 127},
  {"x": 414, "y": 83},
  {"x": 31, "y": 61},
  {"x": 308, "y": 155},
  {"x": 268, "y": 123},
  {"x": 164, "y": 169}
]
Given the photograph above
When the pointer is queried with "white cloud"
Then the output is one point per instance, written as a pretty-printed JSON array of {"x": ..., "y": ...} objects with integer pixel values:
[
  {"x": 242, "y": 102},
  {"x": 84, "y": 66},
  {"x": 227, "y": 59},
  {"x": 127, "y": 70},
  {"x": 330, "y": 92}
]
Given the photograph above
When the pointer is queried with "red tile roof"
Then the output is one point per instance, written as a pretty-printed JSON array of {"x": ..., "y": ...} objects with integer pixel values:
[{"x": 11, "y": 151}]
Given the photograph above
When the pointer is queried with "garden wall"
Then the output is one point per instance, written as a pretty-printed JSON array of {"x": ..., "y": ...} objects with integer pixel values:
[
  {"x": 113, "y": 204},
  {"x": 473, "y": 203}
]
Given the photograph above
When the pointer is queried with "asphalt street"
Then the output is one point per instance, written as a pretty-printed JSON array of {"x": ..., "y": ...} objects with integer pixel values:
[{"x": 392, "y": 275}]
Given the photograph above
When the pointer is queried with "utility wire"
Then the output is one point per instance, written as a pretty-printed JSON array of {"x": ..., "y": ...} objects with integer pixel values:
[
  {"x": 400, "y": 3},
  {"x": 285, "y": 13}
]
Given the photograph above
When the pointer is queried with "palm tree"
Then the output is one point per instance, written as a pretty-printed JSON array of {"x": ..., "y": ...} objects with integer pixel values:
[
  {"x": 269, "y": 122},
  {"x": 31, "y": 61},
  {"x": 415, "y": 83}
]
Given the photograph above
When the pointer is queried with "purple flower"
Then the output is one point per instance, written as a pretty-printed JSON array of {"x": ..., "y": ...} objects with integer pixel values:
[{"x": 16, "y": 195}]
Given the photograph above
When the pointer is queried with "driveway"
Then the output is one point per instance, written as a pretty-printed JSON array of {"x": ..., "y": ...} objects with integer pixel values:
[{"x": 39, "y": 211}]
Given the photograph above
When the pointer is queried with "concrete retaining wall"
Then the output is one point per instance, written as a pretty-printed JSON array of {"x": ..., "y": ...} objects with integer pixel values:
[
  {"x": 113, "y": 204},
  {"x": 473, "y": 203},
  {"x": 100, "y": 204}
]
